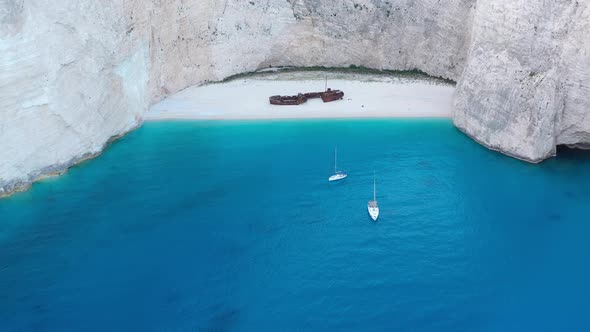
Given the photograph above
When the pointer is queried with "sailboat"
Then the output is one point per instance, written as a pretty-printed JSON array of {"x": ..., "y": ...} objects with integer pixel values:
[
  {"x": 373, "y": 207},
  {"x": 338, "y": 175}
]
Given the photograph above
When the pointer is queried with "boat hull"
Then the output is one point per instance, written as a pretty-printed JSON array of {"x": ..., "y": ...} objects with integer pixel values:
[
  {"x": 337, "y": 177},
  {"x": 373, "y": 211},
  {"x": 331, "y": 95},
  {"x": 327, "y": 96},
  {"x": 287, "y": 100}
]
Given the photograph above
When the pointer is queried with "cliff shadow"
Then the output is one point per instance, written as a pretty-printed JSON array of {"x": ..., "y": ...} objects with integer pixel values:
[{"x": 565, "y": 152}]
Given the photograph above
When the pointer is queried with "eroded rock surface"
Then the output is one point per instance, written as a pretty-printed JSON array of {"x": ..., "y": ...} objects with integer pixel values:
[{"x": 526, "y": 84}]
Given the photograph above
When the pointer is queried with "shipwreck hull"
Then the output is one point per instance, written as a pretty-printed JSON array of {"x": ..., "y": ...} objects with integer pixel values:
[
  {"x": 326, "y": 96},
  {"x": 331, "y": 95},
  {"x": 287, "y": 100}
]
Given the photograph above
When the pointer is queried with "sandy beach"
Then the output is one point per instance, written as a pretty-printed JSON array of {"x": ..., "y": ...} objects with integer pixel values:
[{"x": 366, "y": 96}]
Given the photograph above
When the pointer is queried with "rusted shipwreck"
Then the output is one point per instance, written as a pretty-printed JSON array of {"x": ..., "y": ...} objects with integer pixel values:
[{"x": 327, "y": 96}]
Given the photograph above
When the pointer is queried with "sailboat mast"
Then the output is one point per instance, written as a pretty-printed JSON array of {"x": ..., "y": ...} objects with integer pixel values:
[
  {"x": 374, "y": 188},
  {"x": 335, "y": 159},
  {"x": 326, "y": 87}
]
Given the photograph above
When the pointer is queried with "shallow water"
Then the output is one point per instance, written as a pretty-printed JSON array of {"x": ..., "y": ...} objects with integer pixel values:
[{"x": 233, "y": 226}]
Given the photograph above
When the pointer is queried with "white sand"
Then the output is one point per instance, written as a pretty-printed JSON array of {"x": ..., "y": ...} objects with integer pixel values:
[{"x": 365, "y": 96}]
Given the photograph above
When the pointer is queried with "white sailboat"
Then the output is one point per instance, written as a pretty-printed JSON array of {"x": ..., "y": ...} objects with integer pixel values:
[
  {"x": 373, "y": 207},
  {"x": 338, "y": 175}
]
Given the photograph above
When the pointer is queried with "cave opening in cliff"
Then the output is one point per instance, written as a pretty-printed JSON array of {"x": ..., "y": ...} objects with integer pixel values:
[{"x": 571, "y": 152}]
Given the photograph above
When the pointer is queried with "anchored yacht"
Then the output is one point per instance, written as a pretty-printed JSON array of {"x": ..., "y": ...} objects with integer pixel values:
[
  {"x": 338, "y": 175},
  {"x": 373, "y": 207}
]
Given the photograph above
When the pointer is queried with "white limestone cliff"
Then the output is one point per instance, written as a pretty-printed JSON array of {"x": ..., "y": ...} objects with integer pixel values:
[
  {"x": 526, "y": 84},
  {"x": 70, "y": 80},
  {"x": 74, "y": 74}
]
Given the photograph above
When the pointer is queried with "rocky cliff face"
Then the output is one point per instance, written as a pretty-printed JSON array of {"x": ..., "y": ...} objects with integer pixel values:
[
  {"x": 196, "y": 41},
  {"x": 70, "y": 79},
  {"x": 73, "y": 74},
  {"x": 526, "y": 84}
]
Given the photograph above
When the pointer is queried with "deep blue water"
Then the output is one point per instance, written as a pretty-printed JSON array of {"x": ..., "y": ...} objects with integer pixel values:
[{"x": 233, "y": 226}]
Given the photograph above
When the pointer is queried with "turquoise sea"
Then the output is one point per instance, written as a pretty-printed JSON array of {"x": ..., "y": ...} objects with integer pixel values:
[{"x": 233, "y": 226}]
